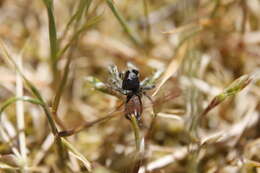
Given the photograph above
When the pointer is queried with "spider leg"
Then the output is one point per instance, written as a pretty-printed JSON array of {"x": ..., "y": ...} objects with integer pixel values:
[
  {"x": 125, "y": 92},
  {"x": 115, "y": 76},
  {"x": 148, "y": 87},
  {"x": 121, "y": 75},
  {"x": 116, "y": 86}
]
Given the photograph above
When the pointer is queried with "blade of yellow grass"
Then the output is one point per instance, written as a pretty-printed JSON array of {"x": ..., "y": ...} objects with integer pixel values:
[
  {"x": 172, "y": 68},
  {"x": 77, "y": 154},
  {"x": 32, "y": 88},
  {"x": 6, "y": 167},
  {"x": 179, "y": 29},
  {"x": 203, "y": 22},
  {"x": 37, "y": 94},
  {"x": 20, "y": 113}
]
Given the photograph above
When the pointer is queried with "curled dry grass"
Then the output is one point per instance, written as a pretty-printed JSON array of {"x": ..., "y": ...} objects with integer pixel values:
[{"x": 60, "y": 51}]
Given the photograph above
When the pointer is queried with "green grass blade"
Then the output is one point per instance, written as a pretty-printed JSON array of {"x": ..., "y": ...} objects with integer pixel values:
[
  {"x": 88, "y": 25},
  {"x": 147, "y": 23},
  {"x": 59, "y": 92},
  {"x": 15, "y": 99},
  {"x": 78, "y": 14},
  {"x": 136, "y": 130},
  {"x": 28, "y": 83},
  {"x": 83, "y": 7},
  {"x": 234, "y": 88},
  {"x": 132, "y": 36},
  {"x": 52, "y": 34},
  {"x": 32, "y": 88},
  {"x": 66, "y": 71}
]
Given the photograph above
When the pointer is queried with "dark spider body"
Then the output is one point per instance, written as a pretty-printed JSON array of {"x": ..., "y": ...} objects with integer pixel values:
[
  {"x": 134, "y": 107},
  {"x": 128, "y": 83},
  {"x": 133, "y": 103},
  {"x": 131, "y": 81}
]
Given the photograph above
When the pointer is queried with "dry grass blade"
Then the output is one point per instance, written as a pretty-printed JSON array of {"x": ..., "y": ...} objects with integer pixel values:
[
  {"x": 87, "y": 125},
  {"x": 47, "y": 143},
  {"x": 200, "y": 24},
  {"x": 20, "y": 115},
  {"x": 11, "y": 160},
  {"x": 6, "y": 167},
  {"x": 77, "y": 154},
  {"x": 32, "y": 88},
  {"x": 172, "y": 67},
  {"x": 44, "y": 106},
  {"x": 6, "y": 138},
  {"x": 178, "y": 154},
  {"x": 180, "y": 29}
]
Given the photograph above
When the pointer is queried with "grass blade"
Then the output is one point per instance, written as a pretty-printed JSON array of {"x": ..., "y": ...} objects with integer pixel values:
[
  {"x": 45, "y": 107},
  {"x": 52, "y": 34},
  {"x": 63, "y": 82},
  {"x": 4, "y": 166},
  {"x": 20, "y": 116},
  {"x": 172, "y": 68},
  {"x": 77, "y": 154},
  {"x": 147, "y": 22},
  {"x": 132, "y": 36},
  {"x": 233, "y": 89},
  {"x": 82, "y": 8},
  {"x": 83, "y": 5},
  {"x": 136, "y": 129},
  {"x": 89, "y": 24},
  {"x": 15, "y": 99}
]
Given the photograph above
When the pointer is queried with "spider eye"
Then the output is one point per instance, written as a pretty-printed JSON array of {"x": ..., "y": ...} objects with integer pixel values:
[
  {"x": 131, "y": 74},
  {"x": 135, "y": 71}
]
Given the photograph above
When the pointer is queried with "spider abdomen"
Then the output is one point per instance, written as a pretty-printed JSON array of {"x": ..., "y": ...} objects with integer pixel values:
[{"x": 134, "y": 107}]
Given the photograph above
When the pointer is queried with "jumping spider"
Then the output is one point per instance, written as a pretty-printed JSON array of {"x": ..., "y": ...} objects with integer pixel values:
[{"x": 128, "y": 83}]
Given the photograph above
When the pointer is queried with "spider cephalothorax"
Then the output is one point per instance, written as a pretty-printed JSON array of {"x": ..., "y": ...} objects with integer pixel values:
[
  {"x": 131, "y": 80},
  {"x": 128, "y": 83}
]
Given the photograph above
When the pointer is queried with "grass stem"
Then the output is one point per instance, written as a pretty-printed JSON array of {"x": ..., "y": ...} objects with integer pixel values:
[
  {"x": 20, "y": 115},
  {"x": 136, "y": 129},
  {"x": 123, "y": 23}
]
